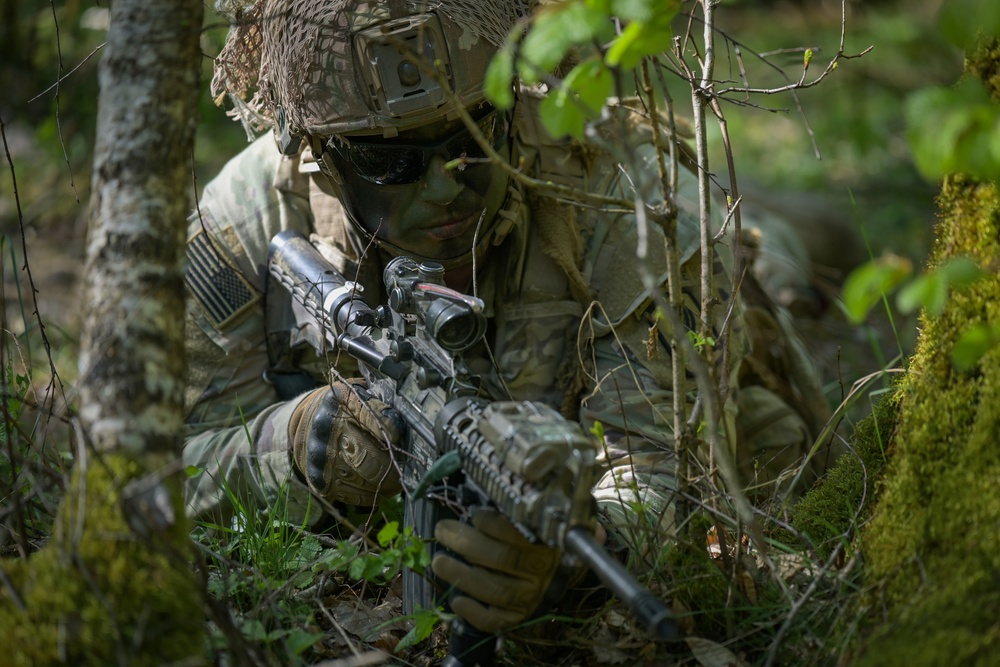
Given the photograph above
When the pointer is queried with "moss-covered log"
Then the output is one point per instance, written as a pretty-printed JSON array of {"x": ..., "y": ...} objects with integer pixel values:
[
  {"x": 933, "y": 547},
  {"x": 99, "y": 593}
]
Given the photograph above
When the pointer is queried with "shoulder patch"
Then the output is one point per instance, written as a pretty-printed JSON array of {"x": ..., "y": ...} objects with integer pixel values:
[{"x": 222, "y": 292}]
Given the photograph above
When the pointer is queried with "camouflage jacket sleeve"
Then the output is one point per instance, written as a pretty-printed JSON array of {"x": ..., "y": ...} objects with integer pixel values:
[{"x": 236, "y": 426}]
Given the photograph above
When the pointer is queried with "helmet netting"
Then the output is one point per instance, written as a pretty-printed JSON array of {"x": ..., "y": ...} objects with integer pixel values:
[
  {"x": 490, "y": 19},
  {"x": 237, "y": 67},
  {"x": 281, "y": 69}
]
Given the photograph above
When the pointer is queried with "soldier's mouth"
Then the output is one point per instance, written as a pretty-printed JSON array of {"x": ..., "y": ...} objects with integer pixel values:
[{"x": 451, "y": 228}]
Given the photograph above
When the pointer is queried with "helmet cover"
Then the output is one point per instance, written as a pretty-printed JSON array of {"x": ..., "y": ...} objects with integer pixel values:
[{"x": 335, "y": 67}]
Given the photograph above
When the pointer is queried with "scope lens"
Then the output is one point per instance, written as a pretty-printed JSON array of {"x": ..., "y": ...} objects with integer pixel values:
[{"x": 454, "y": 328}]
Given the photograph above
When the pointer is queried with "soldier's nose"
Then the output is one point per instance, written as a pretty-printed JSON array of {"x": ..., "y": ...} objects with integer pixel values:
[{"x": 438, "y": 184}]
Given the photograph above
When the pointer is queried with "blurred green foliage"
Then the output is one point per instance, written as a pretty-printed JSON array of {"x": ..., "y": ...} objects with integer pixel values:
[
  {"x": 844, "y": 141},
  {"x": 866, "y": 175},
  {"x": 845, "y": 138},
  {"x": 49, "y": 55},
  {"x": 955, "y": 128},
  {"x": 929, "y": 291}
]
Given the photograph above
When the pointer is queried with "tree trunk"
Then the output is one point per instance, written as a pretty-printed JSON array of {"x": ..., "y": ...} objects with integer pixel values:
[
  {"x": 131, "y": 361},
  {"x": 114, "y": 586},
  {"x": 933, "y": 547}
]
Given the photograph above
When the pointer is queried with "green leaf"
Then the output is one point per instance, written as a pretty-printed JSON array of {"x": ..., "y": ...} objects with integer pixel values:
[
  {"x": 645, "y": 10},
  {"x": 954, "y": 130},
  {"x": 424, "y": 621},
  {"x": 299, "y": 640},
  {"x": 498, "y": 83},
  {"x": 592, "y": 83},
  {"x": 388, "y": 533},
  {"x": 870, "y": 282},
  {"x": 356, "y": 570},
  {"x": 192, "y": 471},
  {"x": 304, "y": 579},
  {"x": 561, "y": 116},
  {"x": 337, "y": 559},
  {"x": 637, "y": 41},
  {"x": 253, "y": 628},
  {"x": 961, "y": 272},
  {"x": 929, "y": 291},
  {"x": 373, "y": 567},
  {"x": 415, "y": 556},
  {"x": 566, "y": 110},
  {"x": 644, "y": 35},
  {"x": 555, "y": 31},
  {"x": 973, "y": 344},
  {"x": 598, "y": 430}
]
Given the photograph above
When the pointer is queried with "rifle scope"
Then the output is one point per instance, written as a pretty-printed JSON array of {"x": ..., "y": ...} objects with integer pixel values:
[{"x": 455, "y": 320}]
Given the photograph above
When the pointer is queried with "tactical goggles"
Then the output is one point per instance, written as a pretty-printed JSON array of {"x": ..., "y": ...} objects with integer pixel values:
[{"x": 385, "y": 162}]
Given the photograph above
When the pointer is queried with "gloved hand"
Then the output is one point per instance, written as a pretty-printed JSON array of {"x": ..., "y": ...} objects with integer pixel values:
[
  {"x": 505, "y": 577},
  {"x": 339, "y": 435}
]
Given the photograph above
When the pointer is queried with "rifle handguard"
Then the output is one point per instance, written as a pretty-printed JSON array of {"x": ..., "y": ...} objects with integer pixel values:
[{"x": 535, "y": 466}]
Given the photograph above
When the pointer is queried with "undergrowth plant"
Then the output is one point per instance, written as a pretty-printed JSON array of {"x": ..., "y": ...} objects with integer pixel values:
[
  {"x": 272, "y": 576},
  {"x": 34, "y": 454},
  {"x": 253, "y": 566}
]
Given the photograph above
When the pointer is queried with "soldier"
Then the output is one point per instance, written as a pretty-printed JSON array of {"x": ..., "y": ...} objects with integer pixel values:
[{"x": 357, "y": 161}]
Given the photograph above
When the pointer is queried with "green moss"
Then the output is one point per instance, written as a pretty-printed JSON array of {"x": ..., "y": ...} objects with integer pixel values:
[
  {"x": 701, "y": 584},
  {"x": 98, "y": 594},
  {"x": 844, "y": 499},
  {"x": 985, "y": 64},
  {"x": 933, "y": 547}
]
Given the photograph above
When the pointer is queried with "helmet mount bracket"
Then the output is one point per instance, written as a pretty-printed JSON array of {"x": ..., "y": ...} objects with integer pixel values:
[{"x": 388, "y": 54}]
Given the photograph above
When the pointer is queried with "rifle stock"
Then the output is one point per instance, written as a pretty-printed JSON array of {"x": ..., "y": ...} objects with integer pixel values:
[{"x": 461, "y": 448}]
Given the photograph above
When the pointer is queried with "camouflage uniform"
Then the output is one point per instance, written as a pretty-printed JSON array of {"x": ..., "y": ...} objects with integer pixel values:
[{"x": 606, "y": 360}]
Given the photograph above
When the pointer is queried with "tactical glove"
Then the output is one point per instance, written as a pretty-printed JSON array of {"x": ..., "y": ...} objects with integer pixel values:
[
  {"x": 340, "y": 437},
  {"x": 504, "y": 577}
]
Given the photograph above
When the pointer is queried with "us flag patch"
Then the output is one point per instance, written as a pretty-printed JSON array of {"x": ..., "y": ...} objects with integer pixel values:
[{"x": 221, "y": 291}]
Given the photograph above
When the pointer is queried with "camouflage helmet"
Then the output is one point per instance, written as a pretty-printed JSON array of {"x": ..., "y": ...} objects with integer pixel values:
[{"x": 336, "y": 67}]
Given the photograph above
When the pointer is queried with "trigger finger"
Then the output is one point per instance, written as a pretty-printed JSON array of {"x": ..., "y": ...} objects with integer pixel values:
[{"x": 384, "y": 420}]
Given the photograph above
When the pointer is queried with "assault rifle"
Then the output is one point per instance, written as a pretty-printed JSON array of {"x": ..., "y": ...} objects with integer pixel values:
[{"x": 461, "y": 449}]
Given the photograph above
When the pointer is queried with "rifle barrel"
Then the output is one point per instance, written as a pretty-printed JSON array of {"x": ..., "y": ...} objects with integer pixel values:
[{"x": 645, "y": 606}]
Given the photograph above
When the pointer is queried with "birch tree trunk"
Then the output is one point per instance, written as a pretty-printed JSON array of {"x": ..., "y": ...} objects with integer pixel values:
[
  {"x": 114, "y": 586},
  {"x": 131, "y": 362}
]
